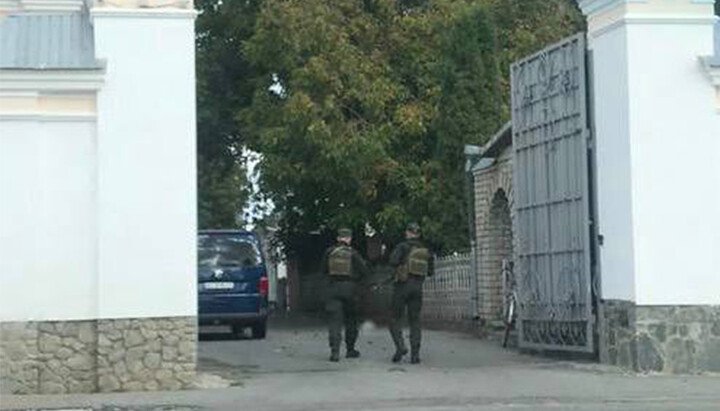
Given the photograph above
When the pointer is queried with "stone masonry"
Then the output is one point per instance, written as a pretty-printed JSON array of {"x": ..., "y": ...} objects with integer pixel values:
[
  {"x": 47, "y": 358},
  {"x": 494, "y": 233},
  {"x": 664, "y": 339},
  {"x": 97, "y": 356}
]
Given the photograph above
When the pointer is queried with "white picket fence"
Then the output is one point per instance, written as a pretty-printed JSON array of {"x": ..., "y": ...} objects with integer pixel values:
[{"x": 448, "y": 295}]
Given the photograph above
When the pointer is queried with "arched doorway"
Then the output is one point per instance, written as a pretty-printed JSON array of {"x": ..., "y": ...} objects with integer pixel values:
[{"x": 500, "y": 248}]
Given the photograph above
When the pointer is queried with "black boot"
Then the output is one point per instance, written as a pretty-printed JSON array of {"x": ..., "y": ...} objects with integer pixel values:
[
  {"x": 399, "y": 354},
  {"x": 335, "y": 356},
  {"x": 352, "y": 353},
  {"x": 415, "y": 357}
]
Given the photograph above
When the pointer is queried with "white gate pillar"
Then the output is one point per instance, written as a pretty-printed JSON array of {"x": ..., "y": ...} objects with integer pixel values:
[
  {"x": 147, "y": 225},
  {"x": 657, "y": 130}
]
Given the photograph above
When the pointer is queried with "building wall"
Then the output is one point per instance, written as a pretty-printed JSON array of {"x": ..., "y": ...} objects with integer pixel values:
[
  {"x": 491, "y": 235},
  {"x": 48, "y": 226},
  {"x": 668, "y": 339},
  {"x": 109, "y": 204},
  {"x": 146, "y": 151},
  {"x": 675, "y": 153},
  {"x": 98, "y": 217},
  {"x": 656, "y": 131},
  {"x": 59, "y": 357}
]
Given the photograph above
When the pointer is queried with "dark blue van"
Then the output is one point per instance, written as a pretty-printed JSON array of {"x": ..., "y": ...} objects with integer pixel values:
[{"x": 232, "y": 281}]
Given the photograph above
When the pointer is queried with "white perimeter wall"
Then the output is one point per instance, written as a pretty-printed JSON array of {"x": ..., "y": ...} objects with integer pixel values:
[
  {"x": 47, "y": 220},
  {"x": 98, "y": 216},
  {"x": 658, "y": 137},
  {"x": 146, "y": 148},
  {"x": 675, "y": 149}
]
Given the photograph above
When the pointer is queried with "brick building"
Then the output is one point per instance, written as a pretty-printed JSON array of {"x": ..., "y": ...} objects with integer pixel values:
[{"x": 492, "y": 177}]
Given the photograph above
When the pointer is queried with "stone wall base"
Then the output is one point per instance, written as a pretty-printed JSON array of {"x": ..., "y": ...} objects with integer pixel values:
[
  {"x": 62, "y": 357},
  {"x": 664, "y": 339}
]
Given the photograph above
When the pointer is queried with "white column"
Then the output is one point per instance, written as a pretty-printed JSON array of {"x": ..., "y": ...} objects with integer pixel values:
[
  {"x": 658, "y": 138},
  {"x": 146, "y": 162}
]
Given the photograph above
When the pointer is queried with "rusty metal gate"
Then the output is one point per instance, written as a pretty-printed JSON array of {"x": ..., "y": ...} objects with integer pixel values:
[{"x": 552, "y": 198}]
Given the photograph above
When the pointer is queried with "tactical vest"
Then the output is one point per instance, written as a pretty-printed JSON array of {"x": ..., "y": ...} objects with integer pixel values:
[
  {"x": 417, "y": 264},
  {"x": 340, "y": 261}
]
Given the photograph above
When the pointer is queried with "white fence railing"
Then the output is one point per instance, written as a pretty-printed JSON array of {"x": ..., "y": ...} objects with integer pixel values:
[{"x": 448, "y": 295}]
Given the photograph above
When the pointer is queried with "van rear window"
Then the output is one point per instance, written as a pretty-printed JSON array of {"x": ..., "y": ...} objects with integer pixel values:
[{"x": 227, "y": 251}]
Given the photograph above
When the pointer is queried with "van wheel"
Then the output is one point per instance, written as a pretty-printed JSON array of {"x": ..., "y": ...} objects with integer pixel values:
[{"x": 259, "y": 330}]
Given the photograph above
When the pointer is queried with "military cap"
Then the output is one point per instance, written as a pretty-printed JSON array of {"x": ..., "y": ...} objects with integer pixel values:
[
  {"x": 344, "y": 232},
  {"x": 413, "y": 228}
]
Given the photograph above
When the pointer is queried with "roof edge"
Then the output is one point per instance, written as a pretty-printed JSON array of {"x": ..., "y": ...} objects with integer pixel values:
[
  {"x": 41, "y": 6},
  {"x": 497, "y": 141},
  {"x": 56, "y": 79}
]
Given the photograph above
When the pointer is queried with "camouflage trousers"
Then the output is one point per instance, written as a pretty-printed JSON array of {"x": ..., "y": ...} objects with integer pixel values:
[
  {"x": 407, "y": 295},
  {"x": 342, "y": 305}
]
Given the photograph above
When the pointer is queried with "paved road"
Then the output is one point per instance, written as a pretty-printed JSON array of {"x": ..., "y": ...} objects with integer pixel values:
[{"x": 290, "y": 371}]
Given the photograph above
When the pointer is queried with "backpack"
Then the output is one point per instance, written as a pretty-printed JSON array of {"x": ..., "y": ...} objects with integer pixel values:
[
  {"x": 339, "y": 261},
  {"x": 417, "y": 264}
]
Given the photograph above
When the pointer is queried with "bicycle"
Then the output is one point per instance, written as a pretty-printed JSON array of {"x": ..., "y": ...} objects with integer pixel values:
[{"x": 510, "y": 299}]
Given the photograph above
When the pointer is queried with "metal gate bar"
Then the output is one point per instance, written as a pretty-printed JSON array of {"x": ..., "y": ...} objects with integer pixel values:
[{"x": 551, "y": 183}]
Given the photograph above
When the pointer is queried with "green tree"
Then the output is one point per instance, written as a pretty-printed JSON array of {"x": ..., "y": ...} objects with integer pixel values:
[
  {"x": 361, "y": 116},
  {"x": 361, "y": 108},
  {"x": 524, "y": 27},
  {"x": 223, "y": 88},
  {"x": 222, "y": 192}
]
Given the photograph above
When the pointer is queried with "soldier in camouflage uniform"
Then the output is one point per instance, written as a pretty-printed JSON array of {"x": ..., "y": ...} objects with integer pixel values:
[
  {"x": 412, "y": 262},
  {"x": 344, "y": 268}
]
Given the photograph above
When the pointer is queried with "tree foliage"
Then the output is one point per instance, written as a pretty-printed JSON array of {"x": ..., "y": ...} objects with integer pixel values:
[
  {"x": 361, "y": 107},
  {"x": 525, "y": 26},
  {"x": 222, "y": 192},
  {"x": 224, "y": 86}
]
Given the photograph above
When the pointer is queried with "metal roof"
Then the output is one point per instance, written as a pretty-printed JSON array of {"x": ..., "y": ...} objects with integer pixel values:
[
  {"x": 498, "y": 142},
  {"x": 46, "y": 41},
  {"x": 494, "y": 147}
]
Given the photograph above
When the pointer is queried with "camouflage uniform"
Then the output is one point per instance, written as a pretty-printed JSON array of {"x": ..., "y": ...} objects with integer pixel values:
[
  {"x": 407, "y": 292},
  {"x": 344, "y": 268}
]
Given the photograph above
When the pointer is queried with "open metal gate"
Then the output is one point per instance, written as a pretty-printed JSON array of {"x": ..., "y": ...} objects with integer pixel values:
[{"x": 552, "y": 198}]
